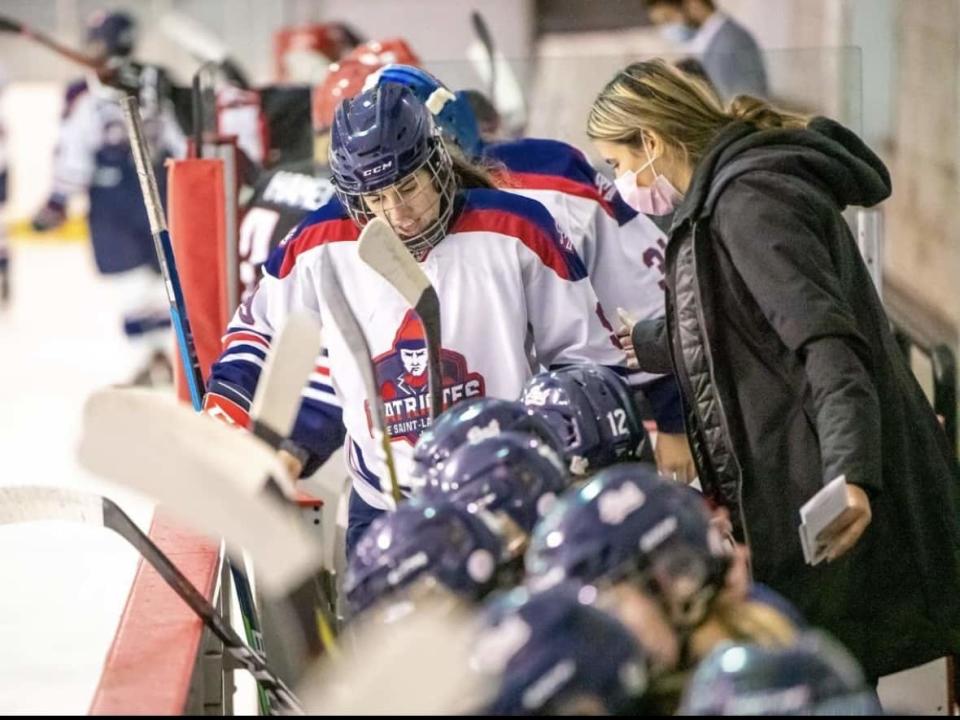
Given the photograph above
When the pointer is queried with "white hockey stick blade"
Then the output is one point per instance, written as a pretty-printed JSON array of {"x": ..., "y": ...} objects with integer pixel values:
[
  {"x": 35, "y": 504},
  {"x": 293, "y": 356},
  {"x": 416, "y": 664},
  {"x": 137, "y": 416},
  {"x": 384, "y": 251},
  {"x": 197, "y": 40},
  {"x": 381, "y": 249},
  {"x": 178, "y": 460}
]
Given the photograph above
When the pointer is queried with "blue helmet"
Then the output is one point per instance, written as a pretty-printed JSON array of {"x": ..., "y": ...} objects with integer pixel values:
[
  {"x": 512, "y": 472},
  {"x": 459, "y": 549},
  {"x": 116, "y": 31},
  {"x": 548, "y": 651},
  {"x": 378, "y": 139},
  {"x": 452, "y": 112},
  {"x": 473, "y": 420},
  {"x": 814, "y": 676},
  {"x": 591, "y": 409},
  {"x": 629, "y": 523}
]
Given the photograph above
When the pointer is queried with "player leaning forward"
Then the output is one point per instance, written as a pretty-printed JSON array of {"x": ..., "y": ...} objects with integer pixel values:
[{"x": 503, "y": 274}]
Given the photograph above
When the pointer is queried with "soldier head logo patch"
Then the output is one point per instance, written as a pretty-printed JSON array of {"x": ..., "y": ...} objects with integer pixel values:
[{"x": 404, "y": 380}]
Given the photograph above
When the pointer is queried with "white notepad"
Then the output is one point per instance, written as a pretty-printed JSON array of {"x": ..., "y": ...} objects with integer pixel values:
[{"x": 818, "y": 513}]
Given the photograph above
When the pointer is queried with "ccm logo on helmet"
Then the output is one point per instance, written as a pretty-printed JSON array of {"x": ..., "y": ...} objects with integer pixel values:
[{"x": 377, "y": 169}]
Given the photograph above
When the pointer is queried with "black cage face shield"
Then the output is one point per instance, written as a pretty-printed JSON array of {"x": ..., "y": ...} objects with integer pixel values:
[{"x": 418, "y": 207}]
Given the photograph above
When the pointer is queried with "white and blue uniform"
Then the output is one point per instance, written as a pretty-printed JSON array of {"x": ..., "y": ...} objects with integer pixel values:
[
  {"x": 93, "y": 156},
  {"x": 622, "y": 249},
  {"x": 505, "y": 278},
  {"x": 4, "y": 251}
]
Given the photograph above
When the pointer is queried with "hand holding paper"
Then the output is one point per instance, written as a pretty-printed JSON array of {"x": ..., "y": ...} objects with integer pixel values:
[
  {"x": 624, "y": 335},
  {"x": 833, "y": 521}
]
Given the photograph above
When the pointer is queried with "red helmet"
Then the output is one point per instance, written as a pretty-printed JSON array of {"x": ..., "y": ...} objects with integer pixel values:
[
  {"x": 346, "y": 78},
  {"x": 384, "y": 52},
  {"x": 330, "y": 40}
]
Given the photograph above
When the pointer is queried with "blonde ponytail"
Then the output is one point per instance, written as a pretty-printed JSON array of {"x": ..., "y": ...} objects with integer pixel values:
[
  {"x": 762, "y": 115},
  {"x": 682, "y": 110}
]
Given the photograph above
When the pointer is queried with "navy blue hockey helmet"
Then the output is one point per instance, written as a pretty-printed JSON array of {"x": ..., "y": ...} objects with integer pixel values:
[
  {"x": 814, "y": 676},
  {"x": 473, "y": 420},
  {"x": 514, "y": 473},
  {"x": 592, "y": 411},
  {"x": 115, "y": 31},
  {"x": 551, "y": 653},
  {"x": 629, "y": 523},
  {"x": 379, "y": 139},
  {"x": 459, "y": 549},
  {"x": 451, "y": 111}
]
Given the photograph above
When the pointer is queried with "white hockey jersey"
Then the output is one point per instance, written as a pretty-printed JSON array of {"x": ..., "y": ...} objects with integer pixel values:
[
  {"x": 623, "y": 250},
  {"x": 504, "y": 275},
  {"x": 92, "y": 147}
]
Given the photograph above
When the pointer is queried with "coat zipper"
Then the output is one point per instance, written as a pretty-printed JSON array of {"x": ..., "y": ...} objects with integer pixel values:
[{"x": 723, "y": 413}]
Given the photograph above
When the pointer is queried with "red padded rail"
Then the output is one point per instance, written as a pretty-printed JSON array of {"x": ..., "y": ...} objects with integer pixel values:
[{"x": 151, "y": 661}]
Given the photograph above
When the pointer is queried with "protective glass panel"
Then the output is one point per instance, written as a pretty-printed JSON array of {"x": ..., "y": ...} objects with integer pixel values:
[{"x": 550, "y": 96}]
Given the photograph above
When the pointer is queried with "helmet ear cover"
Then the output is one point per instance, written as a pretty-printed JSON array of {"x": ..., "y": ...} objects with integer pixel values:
[{"x": 591, "y": 408}]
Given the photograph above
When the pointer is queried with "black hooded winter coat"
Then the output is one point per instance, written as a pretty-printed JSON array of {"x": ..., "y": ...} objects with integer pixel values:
[{"x": 791, "y": 377}]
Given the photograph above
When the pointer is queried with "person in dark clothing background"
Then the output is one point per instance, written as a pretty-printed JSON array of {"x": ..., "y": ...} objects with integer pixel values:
[{"x": 789, "y": 371}]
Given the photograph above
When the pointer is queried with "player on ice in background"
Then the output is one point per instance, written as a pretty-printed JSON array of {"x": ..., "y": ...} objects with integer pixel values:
[
  {"x": 4, "y": 249},
  {"x": 93, "y": 156},
  {"x": 285, "y": 194},
  {"x": 503, "y": 274},
  {"x": 621, "y": 248}
]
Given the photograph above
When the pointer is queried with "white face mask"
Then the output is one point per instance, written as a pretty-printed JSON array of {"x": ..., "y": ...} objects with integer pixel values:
[
  {"x": 661, "y": 198},
  {"x": 678, "y": 33}
]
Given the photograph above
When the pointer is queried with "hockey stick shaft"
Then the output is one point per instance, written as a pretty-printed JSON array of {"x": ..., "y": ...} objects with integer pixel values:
[
  {"x": 8, "y": 24},
  {"x": 4, "y": 274},
  {"x": 251, "y": 660},
  {"x": 164, "y": 249},
  {"x": 482, "y": 30},
  {"x": 346, "y": 320},
  {"x": 274, "y": 410},
  {"x": 428, "y": 309}
]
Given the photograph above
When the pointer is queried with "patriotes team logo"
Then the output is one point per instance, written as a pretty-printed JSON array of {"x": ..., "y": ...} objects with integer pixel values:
[{"x": 404, "y": 381}]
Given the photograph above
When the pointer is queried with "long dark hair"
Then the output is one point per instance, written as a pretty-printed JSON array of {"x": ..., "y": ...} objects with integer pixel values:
[{"x": 471, "y": 174}]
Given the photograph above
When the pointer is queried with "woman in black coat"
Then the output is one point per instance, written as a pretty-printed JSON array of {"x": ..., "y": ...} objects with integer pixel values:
[{"x": 789, "y": 371}]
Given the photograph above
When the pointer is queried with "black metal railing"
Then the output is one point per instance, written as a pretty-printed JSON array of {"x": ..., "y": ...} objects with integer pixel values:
[{"x": 943, "y": 362}]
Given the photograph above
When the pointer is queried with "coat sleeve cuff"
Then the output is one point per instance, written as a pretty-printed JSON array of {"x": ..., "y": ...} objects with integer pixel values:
[
  {"x": 663, "y": 395},
  {"x": 649, "y": 338}
]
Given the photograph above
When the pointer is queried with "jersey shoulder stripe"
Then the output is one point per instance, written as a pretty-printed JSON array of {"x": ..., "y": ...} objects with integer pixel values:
[
  {"x": 540, "y": 164},
  {"x": 526, "y": 220},
  {"x": 74, "y": 92},
  {"x": 327, "y": 224}
]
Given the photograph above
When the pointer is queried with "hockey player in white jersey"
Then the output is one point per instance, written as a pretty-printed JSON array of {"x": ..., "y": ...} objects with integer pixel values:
[
  {"x": 4, "y": 250},
  {"x": 621, "y": 248},
  {"x": 503, "y": 273},
  {"x": 93, "y": 157}
]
